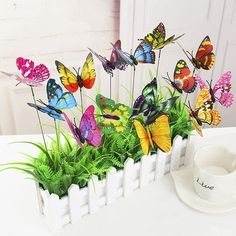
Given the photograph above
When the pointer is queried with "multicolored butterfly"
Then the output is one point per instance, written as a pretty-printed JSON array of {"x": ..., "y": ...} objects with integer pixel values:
[
  {"x": 114, "y": 115},
  {"x": 159, "y": 134},
  {"x": 183, "y": 80},
  {"x": 157, "y": 38},
  {"x": 220, "y": 92},
  {"x": 148, "y": 105},
  {"x": 32, "y": 75},
  {"x": 57, "y": 100},
  {"x": 115, "y": 60},
  {"x": 142, "y": 54},
  {"x": 204, "y": 57},
  {"x": 88, "y": 130},
  {"x": 73, "y": 81},
  {"x": 203, "y": 111}
]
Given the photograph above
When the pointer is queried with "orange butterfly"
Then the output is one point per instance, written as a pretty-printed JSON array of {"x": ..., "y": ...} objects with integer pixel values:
[
  {"x": 73, "y": 81},
  {"x": 159, "y": 134}
]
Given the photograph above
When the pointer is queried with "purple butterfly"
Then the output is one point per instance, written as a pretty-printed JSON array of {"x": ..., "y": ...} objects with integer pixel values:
[
  {"x": 88, "y": 130},
  {"x": 32, "y": 75},
  {"x": 221, "y": 90},
  {"x": 115, "y": 60}
]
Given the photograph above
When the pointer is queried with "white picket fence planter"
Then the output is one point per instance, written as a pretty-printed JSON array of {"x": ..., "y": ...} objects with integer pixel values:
[{"x": 80, "y": 202}]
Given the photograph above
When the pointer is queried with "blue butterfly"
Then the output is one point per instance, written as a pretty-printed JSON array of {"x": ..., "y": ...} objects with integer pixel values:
[
  {"x": 57, "y": 100},
  {"x": 142, "y": 54}
]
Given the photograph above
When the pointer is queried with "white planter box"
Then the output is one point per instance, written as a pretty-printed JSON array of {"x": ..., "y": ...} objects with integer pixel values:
[{"x": 80, "y": 202}]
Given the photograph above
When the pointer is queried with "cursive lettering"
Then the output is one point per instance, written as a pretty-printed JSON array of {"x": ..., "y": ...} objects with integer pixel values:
[{"x": 204, "y": 185}]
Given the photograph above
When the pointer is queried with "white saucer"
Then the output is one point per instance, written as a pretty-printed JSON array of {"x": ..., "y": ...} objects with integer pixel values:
[{"x": 185, "y": 190}]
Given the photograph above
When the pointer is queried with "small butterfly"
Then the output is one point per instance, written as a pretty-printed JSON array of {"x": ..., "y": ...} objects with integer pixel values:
[
  {"x": 204, "y": 57},
  {"x": 159, "y": 134},
  {"x": 73, "y": 81},
  {"x": 30, "y": 74},
  {"x": 203, "y": 111},
  {"x": 115, "y": 115},
  {"x": 157, "y": 38},
  {"x": 183, "y": 80},
  {"x": 115, "y": 60},
  {"x": 221, "y": 90},
  {"x": 88, "y": 130},
  {"x": 142, "y": 54},
  {"x": 57, "y": 100}
]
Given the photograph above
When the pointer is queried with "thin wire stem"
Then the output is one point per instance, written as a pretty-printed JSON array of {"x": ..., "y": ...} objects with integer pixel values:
[
  {"x": 133, "y": 81},
  {"x": 157, "y": 70},
  {"x": 81, "y": 100},
  {"x": 40, "y": 123},
  {"x": 110, "y": 85}
]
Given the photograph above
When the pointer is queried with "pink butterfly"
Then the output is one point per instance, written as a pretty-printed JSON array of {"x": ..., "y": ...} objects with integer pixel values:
[
  {"x": 221, "y": 90},
  {"x": 32, "y": 75},
  {"x": 88, "y": 130}
]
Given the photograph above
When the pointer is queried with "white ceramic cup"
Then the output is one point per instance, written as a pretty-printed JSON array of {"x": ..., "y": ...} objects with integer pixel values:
[{"x": 214, "y": 173}]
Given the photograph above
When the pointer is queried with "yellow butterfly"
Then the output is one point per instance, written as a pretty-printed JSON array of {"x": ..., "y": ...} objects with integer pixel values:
[
  {"x": 159, "y": 134},
  {"x": 73, "y": 81}
]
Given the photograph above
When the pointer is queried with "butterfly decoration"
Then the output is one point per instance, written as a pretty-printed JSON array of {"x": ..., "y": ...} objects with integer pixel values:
[
  {"x": 72, "y": 81},
  {"x": 183, "y": 80},
  {"x": 204, "y": 57},
  {"x": 57, "y": 100},
  {"x": 159, "y": 134},
  {"x": 114, "y": 115},
  {"x": 204, "y": 111},
  {"x": 115, "y": 60},
  {"x": 220, "y": 92},
  {"x": 87, "y": 130},
  {"x": 30, "y": 74},
  {"x": 142, "y": 54},
  {"x": 157, "y": 38},
  {"x": 148, "y": 105}
]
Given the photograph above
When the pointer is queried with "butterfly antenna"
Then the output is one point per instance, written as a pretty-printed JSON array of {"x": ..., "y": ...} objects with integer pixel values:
[
  {"x": 40, "y": 101},
  {"x": 75, "y": 70}
]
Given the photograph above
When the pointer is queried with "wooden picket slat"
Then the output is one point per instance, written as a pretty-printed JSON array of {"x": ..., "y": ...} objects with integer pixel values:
[
  {"x": 93, "y": 188},
  {"x": 160, "y": 164},
  {"x": 111, "y": 186},
  {"x": 175, "y": 153},
  {"x": 128, "y": 179},
  {"x": 74, "y": 195},
  {"x": 145, "y": 167},
  {"x": 39, "y": 198},
  {"x": 188, "y": 160}
]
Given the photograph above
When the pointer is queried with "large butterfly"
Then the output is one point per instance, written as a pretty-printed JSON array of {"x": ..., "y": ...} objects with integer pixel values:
[
  {"x": 220, "y": 92},
  {"x": 204, "y": 57},
  {"x": 203, "y": 111},
  {"x": 114, "y": 115},
  {"x": 73, "y": 81},
  {"x": 88, "y": 130},
  {"x": 159, "y": 134},
  {"x": 57, "y": 100},
  {"x": 30, "y": 74},
  {"x": 148, "y": 105},
  {"x": 183, "y": 80},
  {"x": 142, "y": 54},
  {"x": 157, "y": 38},
  {"x": 115, "y": 60}
]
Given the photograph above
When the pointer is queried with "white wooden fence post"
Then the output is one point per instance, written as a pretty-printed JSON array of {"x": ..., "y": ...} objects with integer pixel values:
[
  {"x": 93, "y": 194},
  {"x": 188, "y": 159},
  {"x": 39, "y": 197},
  {"x": 128, "y": 176},
  {"x": 53, "y": 212},
  {"x": 144, "y": 170},
  {"x": 160, "y": 164},
  {"x": 111, "y": 186},
  {"x": 74, "y": 203},
  {"x": 176, "y": 153}
]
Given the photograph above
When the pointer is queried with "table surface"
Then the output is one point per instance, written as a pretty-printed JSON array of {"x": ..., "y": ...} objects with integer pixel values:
[{"x": 153, "y": 210}]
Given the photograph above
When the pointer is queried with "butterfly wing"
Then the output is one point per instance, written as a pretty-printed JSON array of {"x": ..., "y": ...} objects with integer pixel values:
[
  {"x": 182, "y": 78},
  {"x": 68, "y": 78},
  {"x": 161, "y": 133},
  {"x": 143, "y": 136},
  {"x": 204, "y": 56},
  {"x": 89, "y": 129},
  {"x": 52, "y": 113},
  {"x": 88, "y": 73},
  {"x": 221, "y": 90},
  {"x": 200, "y": 82},
  {"x": 144, "y": 53},
  {"x": 57, "y": 98}
]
